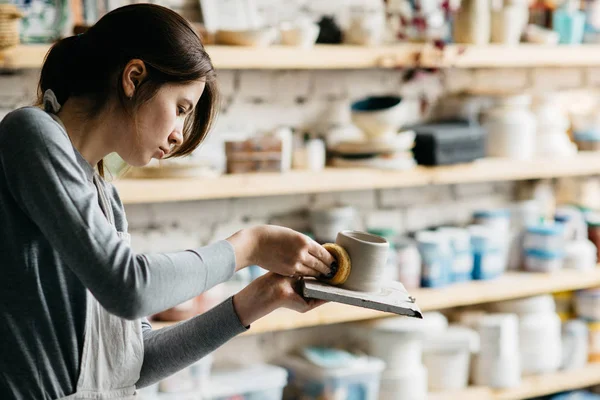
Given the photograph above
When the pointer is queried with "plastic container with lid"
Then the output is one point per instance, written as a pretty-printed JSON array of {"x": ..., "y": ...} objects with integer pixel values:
[
  {"x": 436, "y": 255},
  {"x": 544, "y": 303},
  {"x": 447, "y": 356},
  {"x": 580, "y": 255},
  {"x": 543, "y": 261},
  {"x": 462, "y": 261},
  {"x": 511, "y": 128},
  {"x": 545, "y": 237},
  {"x": 575, "y": 344},
  {"x": 489, "y": 252},
  {"x": 398, "y": 340},
  {"x": 356, "y": 380},
  {"x": 409, "y": 264},
  {"x": 253, "y": 382},
  {"x": 587, "y": 304},
  {"x": 540, "y": 343},
  {"x": 406, "y": 384},
  {"x": 498, "y": 364},
  {"x": 497, "y": 218}
]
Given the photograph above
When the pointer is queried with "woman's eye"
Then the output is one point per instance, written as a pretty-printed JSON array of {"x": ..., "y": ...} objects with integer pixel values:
[{"x": 180, "y": 110}]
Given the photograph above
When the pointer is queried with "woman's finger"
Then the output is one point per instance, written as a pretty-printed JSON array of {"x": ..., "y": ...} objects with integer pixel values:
[
  {"x": 319, "y": 252},
  {"x": 318, "y": 265},
  {"x": 305, "y": 270}
]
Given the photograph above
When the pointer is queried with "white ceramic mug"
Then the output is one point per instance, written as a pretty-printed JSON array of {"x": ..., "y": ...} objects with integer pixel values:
[{"x": 368, "y": 254}]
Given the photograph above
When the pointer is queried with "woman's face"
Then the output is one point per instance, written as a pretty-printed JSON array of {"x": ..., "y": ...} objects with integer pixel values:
[{"x": 160, "y": 123}]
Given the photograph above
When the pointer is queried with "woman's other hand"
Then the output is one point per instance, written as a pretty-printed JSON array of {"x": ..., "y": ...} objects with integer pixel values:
[
  {"x": 281, "y": 250},
  {"x": 268, "y": 293}
]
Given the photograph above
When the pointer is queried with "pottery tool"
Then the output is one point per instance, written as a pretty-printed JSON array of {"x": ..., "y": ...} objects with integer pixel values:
[{"x": 391, "y": 297}]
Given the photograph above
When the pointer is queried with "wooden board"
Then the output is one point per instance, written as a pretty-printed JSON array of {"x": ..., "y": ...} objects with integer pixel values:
[
  {"x": 135, "y": 191},
  {"x": 510, "y": 286},
  {"x": 357, "y": 57},
  {"x": 392, "y": 298},
  {"x": 531, "y": 386}
]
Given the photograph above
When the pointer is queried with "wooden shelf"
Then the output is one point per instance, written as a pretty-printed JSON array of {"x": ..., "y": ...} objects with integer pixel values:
[
  {"x": 359, "y": 57},
  {"x": 510, "y": 286},
  {"x": 531, "y": 386},
  {"x": 135, "y": 191}
]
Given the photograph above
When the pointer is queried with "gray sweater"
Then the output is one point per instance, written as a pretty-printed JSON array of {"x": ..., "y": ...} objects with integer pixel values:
[{"x": 55, "y": 243}]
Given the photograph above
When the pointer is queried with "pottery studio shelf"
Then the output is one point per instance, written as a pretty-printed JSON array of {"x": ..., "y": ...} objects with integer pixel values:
[
  {"x": 509, "y": 286},
  {"x": 531, "y": 386},
  {"x": 135, "y": 191},
  {"x": 359, "y": 57}
]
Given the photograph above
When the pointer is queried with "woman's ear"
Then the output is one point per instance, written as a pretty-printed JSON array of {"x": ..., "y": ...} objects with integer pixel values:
[{"x": 133, "y": 74}]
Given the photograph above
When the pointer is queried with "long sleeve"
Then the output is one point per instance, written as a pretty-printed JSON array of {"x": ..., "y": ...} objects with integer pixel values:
[
  {"x": 174, "y": 348},
  {"x": 45, "y": 176}
]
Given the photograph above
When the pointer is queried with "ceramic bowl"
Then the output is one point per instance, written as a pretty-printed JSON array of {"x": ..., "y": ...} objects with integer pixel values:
[
  {"x": 301, "y": 35},
  {"x": 251, "y": 37},
  {"x": 379, "y": 116}
]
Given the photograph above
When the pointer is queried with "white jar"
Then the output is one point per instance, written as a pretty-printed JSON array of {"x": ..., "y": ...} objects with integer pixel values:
[
  {"x": 543, "y": 261},
  {"x": 511, "y": 128},
  {"x": 540, "y": 343},
  {"x": 509, "y": 22},
  {"x": 409, "y": 264},
  {"x": 575, "y": 344},
  {"x": 499, "y": 363},
  {"x": 472, "y": 23},
  {"x": 447, "y": 357}
]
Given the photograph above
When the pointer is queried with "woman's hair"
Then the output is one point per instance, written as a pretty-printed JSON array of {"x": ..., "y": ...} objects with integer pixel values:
[{"x": 91, "y": 65}]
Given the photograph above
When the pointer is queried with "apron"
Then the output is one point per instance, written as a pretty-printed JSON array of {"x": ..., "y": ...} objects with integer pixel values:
[{"x": 113, "y": 347}]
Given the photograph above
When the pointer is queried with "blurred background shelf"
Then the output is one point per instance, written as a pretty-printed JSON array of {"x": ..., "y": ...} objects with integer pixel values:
[
  {"x": 531, "y": 386},
  {"x": 509, "y": 286},
  {"x": 361, "y": 57},
  {"x": 135, "y": 191}
]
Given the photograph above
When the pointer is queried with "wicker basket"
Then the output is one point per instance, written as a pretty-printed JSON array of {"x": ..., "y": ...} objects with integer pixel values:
[{"x": 9, "y": 25}]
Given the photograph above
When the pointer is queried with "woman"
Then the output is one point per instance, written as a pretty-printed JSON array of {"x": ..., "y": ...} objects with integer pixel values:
[{"x": 73, "y": 293}]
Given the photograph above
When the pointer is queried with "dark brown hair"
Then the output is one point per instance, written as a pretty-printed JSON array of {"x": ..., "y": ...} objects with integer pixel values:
[{"x": 91, "y": 65}]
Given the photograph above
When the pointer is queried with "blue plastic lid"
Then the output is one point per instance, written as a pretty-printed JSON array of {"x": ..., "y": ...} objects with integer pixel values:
[
  {"x": 376, "y": 103},
  {"x": 587, "y": 136},
  {"x": 546, "y": 229},
  {"x": 544, "y": 254},
  {"x": 499, "y": 212}
]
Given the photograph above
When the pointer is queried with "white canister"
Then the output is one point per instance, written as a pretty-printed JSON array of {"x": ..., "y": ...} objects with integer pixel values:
[
  {"x": 498, "y": 364},
  {"x": 509, "y": 22},
  {"x": 398, "y": 340},
  {"x": 409, "y": 264},
  {"x": 574, "y": 344},
  {"x": 407, "y": 384},
  {"x": 580, "y": 255},
  {"x": 545, "y": 237},
  {"x": 544, "y": 303},
  {"x": 540, "y": 343},
  {"x": 543, "y": 261},
  {"x": 511, "y": 128},
  {"x": 327, "y": 222},
  {"x": 447, "y": 357},
  {"x": 462, "y": 261},
  {"x": 472, "y": 23},
  {"x": 286, "y": 136},
  {"x": 315, "y": 154}
]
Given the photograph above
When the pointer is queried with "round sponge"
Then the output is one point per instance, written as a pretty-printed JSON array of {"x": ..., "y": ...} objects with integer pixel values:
[{"x": 341, "y": 270}]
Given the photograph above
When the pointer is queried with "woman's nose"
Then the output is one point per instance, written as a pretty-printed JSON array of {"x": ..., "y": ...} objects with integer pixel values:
[{"x": 176, "y": 138}]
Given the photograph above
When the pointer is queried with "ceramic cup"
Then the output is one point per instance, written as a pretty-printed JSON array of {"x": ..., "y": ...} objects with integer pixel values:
[{"x": 368, "y": 254}]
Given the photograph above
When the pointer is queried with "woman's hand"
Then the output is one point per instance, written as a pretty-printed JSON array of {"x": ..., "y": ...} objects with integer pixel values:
[
  {"x": 281, "y": 250},
  {"x": 268, "y": 293}
]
